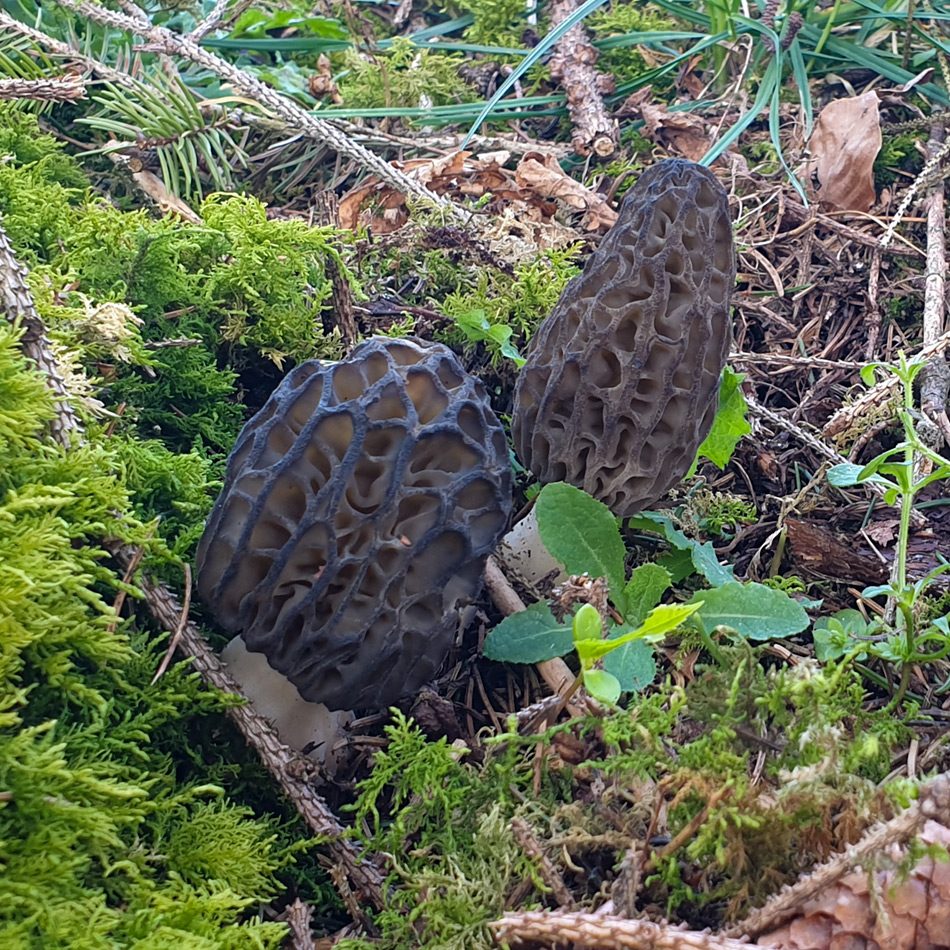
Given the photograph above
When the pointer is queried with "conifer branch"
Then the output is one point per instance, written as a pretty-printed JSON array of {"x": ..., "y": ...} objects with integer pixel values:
[
  {"x": 52, "y": 89},
  {"x": 162, "y": 40},
  {"x": 17, "y": 303}
]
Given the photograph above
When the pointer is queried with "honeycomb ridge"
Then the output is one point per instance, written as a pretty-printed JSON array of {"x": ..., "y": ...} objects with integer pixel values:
[
  {"x": 622, "y": 378},
  {"x": 358, "y": 509}
]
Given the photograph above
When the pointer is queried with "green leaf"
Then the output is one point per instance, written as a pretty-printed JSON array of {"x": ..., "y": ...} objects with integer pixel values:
[
  {"x": 531, "y": 636},
  {"x": 582, "y": 534},
  {"x": 660, "y": 621},
  {"x": 603, "y": 686},
  {"x": 587, "y": 623},
  {"x": 634, "y": 664},
  {"x": 730, "y": 424},
  {"x": 836, "y": 635},
  {"x": 644, "y": 590},
  {"x": 754, "y": 611},
  {"x": 476, "y": 326},
  {"x": 703, "y": 555}
]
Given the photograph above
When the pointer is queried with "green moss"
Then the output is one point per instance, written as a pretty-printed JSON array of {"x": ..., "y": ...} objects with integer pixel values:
[
  {"x": 519, "y": 302},
  {"x": 898, "y": 153},
  {"x": 496, "y": 22},
  {"x": 618, "y": 19},
  {"x": 104, "y": 840},
  {"x": 404, "y": 76}
]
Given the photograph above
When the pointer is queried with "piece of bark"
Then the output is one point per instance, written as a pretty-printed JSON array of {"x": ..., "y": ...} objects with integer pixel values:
[
  {"x": 572, "y": 65},
  {"x": 816, "y": 552}
]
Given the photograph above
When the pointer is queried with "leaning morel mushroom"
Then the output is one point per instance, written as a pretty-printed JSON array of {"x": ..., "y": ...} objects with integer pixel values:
[
  {"x": 621, "y": 381},
  {"x": 358, "y": 510}
]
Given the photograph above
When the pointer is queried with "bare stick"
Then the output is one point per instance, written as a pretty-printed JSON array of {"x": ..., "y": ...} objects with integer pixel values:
[
  {"x": 165, "y": 41},
  {"x": 935, "y": 378},
  {"x": 289, "y": 768},
  {"x": 555, "y": 928},
  {"x": 556, "y": 673},
  {"x": 572, "y": 65},
  {"x": 552, "y": 876}
]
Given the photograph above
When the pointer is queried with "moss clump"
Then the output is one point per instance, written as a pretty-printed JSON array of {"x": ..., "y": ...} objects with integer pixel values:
[
  {"x": 515, "y": 305},
  {"x": 615, "y": 21},
  {"x": 406, "y": 76},
  {"x": 104, "y": 839}
]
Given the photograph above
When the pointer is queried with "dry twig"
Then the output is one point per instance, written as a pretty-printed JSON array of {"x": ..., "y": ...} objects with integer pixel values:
[
  {"x": 933, "y": 802},
  {"x": 53, "y": 89},
  {"x": 556, "y": 672},
  {"x": 604, "y": 933},
  {"x": 572, "y": 65},
  {"x": 17, "y": 303}
]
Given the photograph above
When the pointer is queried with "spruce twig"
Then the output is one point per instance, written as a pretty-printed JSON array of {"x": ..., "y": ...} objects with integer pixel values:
[
  {"x": 17, "y": 303},
  {"x": 933, "y": 802}
]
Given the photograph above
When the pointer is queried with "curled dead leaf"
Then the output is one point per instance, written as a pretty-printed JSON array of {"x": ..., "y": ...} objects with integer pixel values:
[
  {"x": 543, "y": 175},
  {"x": 844, "y": 145}
]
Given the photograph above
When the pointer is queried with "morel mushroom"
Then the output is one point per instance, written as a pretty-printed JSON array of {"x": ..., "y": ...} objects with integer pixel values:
[
  {"x": 358, "y": 510},
  {"x": 621, "y": 380}
]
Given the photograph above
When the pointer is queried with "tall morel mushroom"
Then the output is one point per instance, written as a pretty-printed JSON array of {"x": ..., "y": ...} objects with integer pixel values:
[
  {"x": 621, "y": 380},
  {"x": 358, "y": 510}
]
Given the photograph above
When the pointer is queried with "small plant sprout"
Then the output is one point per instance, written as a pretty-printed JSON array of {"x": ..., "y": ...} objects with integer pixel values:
[
  {"x": 579, "y": 533},
  {"x": 591, "y": 646},
  {"x": 902, "y": 472}
]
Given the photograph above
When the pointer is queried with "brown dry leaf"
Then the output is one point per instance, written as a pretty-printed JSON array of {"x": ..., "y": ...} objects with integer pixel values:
[
  {"x": 883, "y": 532},
  {"x": 845, "y": 142},
  {"x": 321, "y": 83},
  {"x": 680, "y": 132},
  {"x": 904, "y": 912},
  {"x": 543, "y": 175},
  {"x": 379, "y": 207}
]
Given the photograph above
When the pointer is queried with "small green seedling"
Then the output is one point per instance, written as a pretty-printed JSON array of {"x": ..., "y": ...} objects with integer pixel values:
[
  {"x": 896, "y": 471},
  {"x": 584, "y": 536}
]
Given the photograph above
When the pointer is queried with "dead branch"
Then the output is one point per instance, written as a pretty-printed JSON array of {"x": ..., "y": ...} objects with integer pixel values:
[
  {"x": 604, "y": 933},
  {"x": 933, "y": 802},
  {"x": 291, "y": 770},
  {"x": 17, "y": 303},
  {"x": 552, "y": 876},
  {"x": 878, "y": 395},
  {"x": 935, "y": 377},
  {"x": 572, "y": 65},
  {"x": 53, "y": 89},
  {"x": 556, "y": 673},
  {"x": 360, "y": 877}
]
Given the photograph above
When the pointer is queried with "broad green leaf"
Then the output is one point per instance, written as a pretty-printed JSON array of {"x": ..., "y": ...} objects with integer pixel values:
[
  {"x": 679, "y": 563},
  {"x": 531, "y": 636},
  {"x": 582, "y": 534},
  {"x": 587, "y": 623},
  {"x": 603, "y": 686},
  {"x": 634, "y": 664},
  {"x": 754, "y": 611},
  {"x": 644, "y": 590},
  {"x": 730, "y": 424}
]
